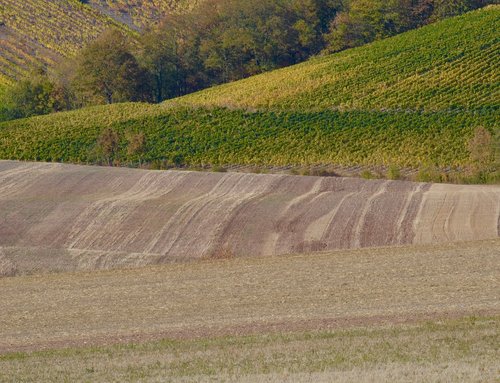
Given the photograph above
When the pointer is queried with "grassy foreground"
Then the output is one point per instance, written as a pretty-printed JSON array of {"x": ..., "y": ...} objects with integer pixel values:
[{"x": 445, "y": 351}]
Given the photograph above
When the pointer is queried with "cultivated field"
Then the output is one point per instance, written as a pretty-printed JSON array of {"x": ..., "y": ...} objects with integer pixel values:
[
  {"x": 347, "y": 315},
  {"x": 57, "y": 217},
  {"x": 40, "y": 32}
]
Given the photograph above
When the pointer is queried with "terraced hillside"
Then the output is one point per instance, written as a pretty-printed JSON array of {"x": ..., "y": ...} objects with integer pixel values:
[
  {"x": 66, "y": 217},
  {"x": 409, "y": 101},
  {"x": 39, "y": 32}
]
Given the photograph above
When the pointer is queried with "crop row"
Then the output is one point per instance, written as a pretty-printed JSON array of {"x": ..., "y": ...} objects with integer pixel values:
[
  {"x": 39, "y": 30},
  {"x": 220, "y": 136},
  {"x": 144, "y": 12}
]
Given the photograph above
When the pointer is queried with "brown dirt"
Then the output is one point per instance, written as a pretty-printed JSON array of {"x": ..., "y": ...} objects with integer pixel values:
[
  {"x": 343, "y": 289},
  {"x": 57, "y": 217}
]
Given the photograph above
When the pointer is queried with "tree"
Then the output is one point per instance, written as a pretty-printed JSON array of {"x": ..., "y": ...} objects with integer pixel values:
[
  {"x": 481, "y": 149},
  {"x": 240, "y": 38},
  {"x": 108, "y": 145},
  {"x": 36, "y": 94},
  {"x": 107, "y": 72},
  {"x": 449, "y": 8},
  {"x": 367, "y": 20},
  {"x": 136, "y": 144}
]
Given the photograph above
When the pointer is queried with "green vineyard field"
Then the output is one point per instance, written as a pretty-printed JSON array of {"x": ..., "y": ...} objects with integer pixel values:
[{"x": 220, "y": 136}]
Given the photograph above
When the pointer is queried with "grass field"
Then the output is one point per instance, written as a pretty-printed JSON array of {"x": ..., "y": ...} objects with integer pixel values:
[
  {"x": 447, "y": 351},
  {"x": 350, "y": 316},
  {"x": 412, "y": 101}
]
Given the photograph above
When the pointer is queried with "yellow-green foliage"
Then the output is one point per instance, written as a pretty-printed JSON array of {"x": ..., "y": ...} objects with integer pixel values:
[
  {"x": 220, "y": 136},
  {"x": 450, "y": 65}
]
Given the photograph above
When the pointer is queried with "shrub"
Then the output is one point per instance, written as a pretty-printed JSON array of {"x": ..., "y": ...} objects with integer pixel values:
[{"x": 393, "y": 173}]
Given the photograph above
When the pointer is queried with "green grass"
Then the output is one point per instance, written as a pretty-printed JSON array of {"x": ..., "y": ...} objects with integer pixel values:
[
  {"x": 451, "y": 351},
  {"x": 410, "y": 101}
]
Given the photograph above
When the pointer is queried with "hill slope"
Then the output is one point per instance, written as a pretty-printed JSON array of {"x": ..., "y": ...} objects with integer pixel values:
[
  {"x": 451, "y": 65},
  {"x": 39, "y": 32},
  {"x": 141, "y": 13},
  {"x": 423, "y": 112},
  {"x": 79, "y": 217}
]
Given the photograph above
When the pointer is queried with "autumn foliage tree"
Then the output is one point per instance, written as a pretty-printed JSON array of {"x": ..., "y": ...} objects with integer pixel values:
[
  {"x": 481, "y": 149},
  {"x": 136, "y": 145},
  {"x": 108, "y": 145}
]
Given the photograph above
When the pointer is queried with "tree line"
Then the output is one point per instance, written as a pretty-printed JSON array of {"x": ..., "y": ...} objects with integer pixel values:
[{"x": 219, "y": 41}]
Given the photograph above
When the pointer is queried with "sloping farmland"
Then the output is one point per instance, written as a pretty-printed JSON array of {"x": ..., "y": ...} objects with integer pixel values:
[{"x": 57, "y": 217}]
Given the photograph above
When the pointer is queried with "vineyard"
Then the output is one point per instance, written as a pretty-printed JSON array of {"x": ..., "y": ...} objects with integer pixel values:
[
  {"x": 38, "y": 32},
  {"x": 219, "y": 136},
  {"x": 450, "y": 65},
  {"x": 141, "y": 13},
  {"x": 409, "y": 101}
]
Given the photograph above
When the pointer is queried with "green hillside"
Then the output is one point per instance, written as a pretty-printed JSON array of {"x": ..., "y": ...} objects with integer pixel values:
[
  {"x": 452, "y": 65},
  {"x": 407, "y": 101}
]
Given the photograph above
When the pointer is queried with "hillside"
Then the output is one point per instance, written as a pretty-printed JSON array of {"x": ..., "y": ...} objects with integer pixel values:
[
  {"x": 409, "y": 101},
  {"x": 139, "y": 14},
  {"x": 66, "y": 217},
  {"x": 36, "y": 32},
  {"x": 449, "y": 66},
  {"x": 40, "y": 32}
]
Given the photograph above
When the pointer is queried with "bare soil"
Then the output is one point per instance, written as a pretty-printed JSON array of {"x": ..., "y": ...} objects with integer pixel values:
[{"x": 57, "y": 217}]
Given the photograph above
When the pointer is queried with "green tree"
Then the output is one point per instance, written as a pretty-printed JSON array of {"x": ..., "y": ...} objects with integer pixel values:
[
  {"x": 107, "y": 72},
  {"x": 34, "y": 95},
  {"x": 367, "y": 20},
  {"x": 449, "y": 8}
]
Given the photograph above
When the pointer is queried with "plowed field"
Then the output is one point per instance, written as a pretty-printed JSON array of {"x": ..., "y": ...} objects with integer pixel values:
[{"x": 57, "y": 217}]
